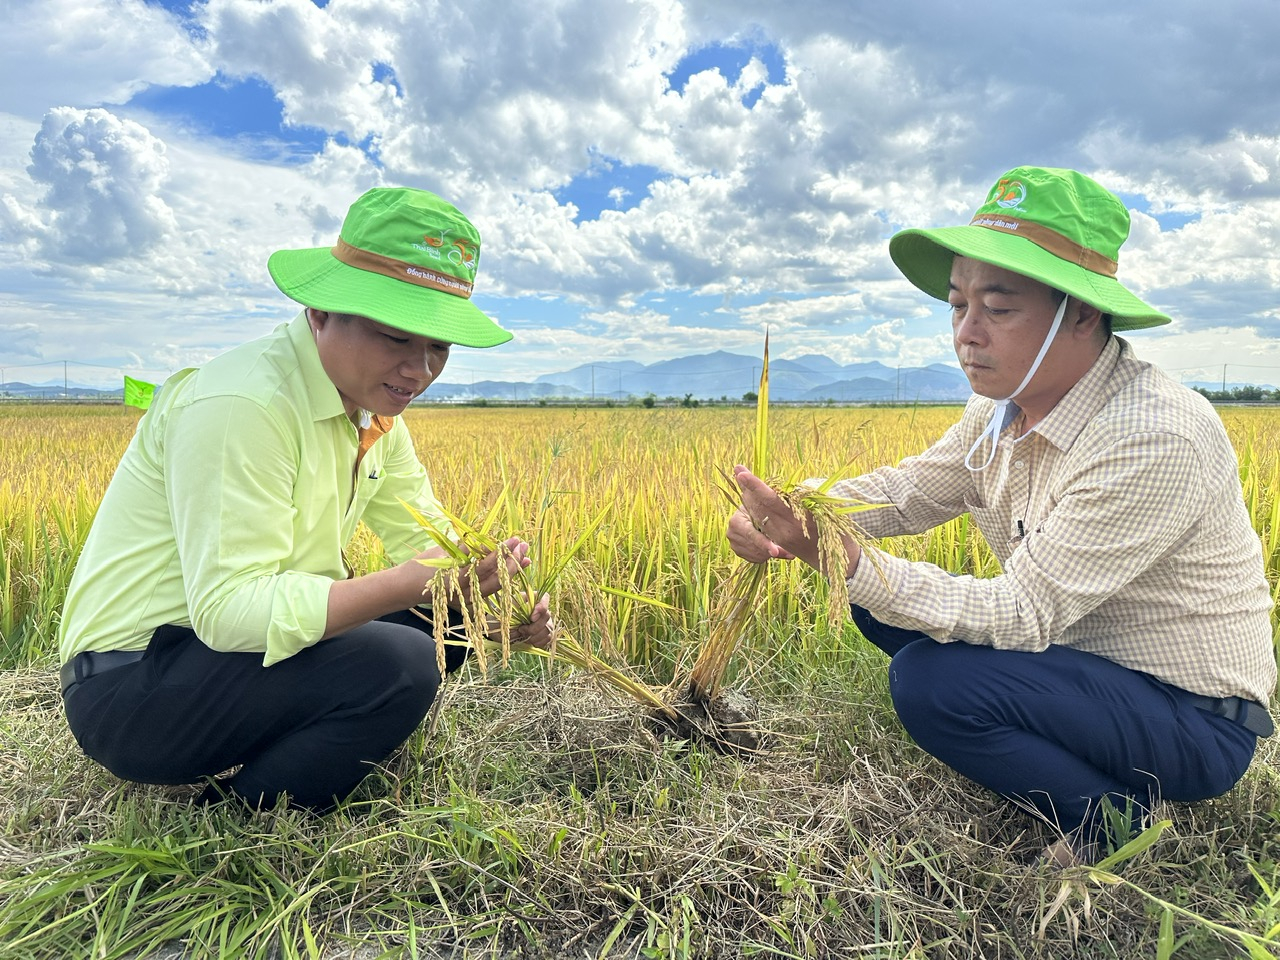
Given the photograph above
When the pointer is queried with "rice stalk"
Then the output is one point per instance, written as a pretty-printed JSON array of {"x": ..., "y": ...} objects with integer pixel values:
[
  {"x": 732, "y": 613},
  {"x": 815, "y": 508},
  {"x": 459, "y": 566},
  {"x": 513, "y": 605},
  {"x": 566, "y": 649}
]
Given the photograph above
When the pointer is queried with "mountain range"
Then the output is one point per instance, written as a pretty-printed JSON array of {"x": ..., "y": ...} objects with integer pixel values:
[
  {"x": 709, "y": 376},
  {"x": 713, "y": 376}
]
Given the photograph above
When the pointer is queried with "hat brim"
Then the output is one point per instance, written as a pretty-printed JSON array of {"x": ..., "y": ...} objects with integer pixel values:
[
  {"x": 924, "y": 256},
  {"x": 316, "y": 278}
]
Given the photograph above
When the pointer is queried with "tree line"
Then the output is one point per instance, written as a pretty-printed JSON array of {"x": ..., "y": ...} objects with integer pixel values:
[{"x": 1245, "y": 394}]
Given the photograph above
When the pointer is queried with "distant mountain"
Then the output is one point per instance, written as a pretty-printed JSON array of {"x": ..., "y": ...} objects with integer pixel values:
[
  {"x": 600, "y": 378},
  {"x": 853, "y": 388},
  {"x": 812, "y": 378},
  {"x": 710, "y": 376},
  {"x": 814, "y": 362},
  {"x": 55, "y": 391}
]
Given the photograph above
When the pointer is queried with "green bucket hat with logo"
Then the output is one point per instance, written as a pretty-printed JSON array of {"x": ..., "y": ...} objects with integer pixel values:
[
  {"x": 405, "y": 258},
  {"x": 1055, "y": 226}
]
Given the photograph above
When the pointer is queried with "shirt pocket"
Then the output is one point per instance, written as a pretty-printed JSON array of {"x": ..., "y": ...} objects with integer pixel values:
[
  {"x": 368, "y": 479},
  {"x": 994, "y": 523}
]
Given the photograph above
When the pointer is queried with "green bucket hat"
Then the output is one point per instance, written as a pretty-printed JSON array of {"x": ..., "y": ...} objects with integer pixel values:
[
  {"x": 1055, "y": 226},
  {"x": 405, "y": 258}
]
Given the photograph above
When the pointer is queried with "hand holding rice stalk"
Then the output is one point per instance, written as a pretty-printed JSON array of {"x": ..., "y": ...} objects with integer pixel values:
[
  {"x": 775, "y": 518},
  {"x": 513, "y": 605}
]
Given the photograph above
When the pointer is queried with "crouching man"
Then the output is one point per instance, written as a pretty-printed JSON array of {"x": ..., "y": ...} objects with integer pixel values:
[
  {"x": 212, "y": 622},
  {"x": 1124, "y": 653}
]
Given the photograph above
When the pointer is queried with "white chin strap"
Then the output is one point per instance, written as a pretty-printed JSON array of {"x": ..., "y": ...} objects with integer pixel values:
[{"x": 993, "y": 428}]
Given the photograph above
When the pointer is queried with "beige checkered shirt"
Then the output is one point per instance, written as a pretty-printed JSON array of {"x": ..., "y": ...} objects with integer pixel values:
[{"x": 1120, "y": 526}]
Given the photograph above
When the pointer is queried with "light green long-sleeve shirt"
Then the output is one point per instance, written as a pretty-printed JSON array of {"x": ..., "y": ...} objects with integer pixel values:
[{"x": 232, "y": 504}]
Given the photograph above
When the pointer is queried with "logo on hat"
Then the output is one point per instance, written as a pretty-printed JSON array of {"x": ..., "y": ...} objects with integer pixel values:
[
  {"x": 1009, "y": 194},
  {"x": 462, "y": 251}
]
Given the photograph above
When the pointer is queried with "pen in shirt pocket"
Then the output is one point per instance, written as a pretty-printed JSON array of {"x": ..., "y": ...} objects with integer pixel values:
[{"x": 374, "y": 474}]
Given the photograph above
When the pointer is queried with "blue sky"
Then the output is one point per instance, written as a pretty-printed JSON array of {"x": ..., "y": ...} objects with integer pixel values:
[{"x": 652, "y": 179}]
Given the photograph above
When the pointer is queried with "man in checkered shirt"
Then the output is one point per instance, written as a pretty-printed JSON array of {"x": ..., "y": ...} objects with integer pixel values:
[{"x": 1125, "y": 652}]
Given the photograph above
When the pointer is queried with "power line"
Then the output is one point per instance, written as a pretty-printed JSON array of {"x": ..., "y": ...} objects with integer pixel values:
[{"x": 1214, "y": 366}]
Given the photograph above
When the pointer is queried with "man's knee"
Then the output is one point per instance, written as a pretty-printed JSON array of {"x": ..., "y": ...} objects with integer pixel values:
[
  {"x": 927, "y": 684},
  {"x": 889, "y": 639},
  {"x": 397, "y": 672}
]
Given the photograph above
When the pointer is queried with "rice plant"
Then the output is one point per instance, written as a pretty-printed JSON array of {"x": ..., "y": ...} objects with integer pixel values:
[
  {"x": 830, "y": 517},
  {"x": 513, "y": 604}
]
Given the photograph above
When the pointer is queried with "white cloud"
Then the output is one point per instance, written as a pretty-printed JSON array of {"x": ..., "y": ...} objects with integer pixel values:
[
  {"x": 1234, "y": 352},
  {"x": 1191, "y": 174},
  {"x": 320, "y": 61},
  {"x": 1222, "y": 268},
  {"x": 90, "y": 52},
  {"x": 101, "y": 177},
  {"x": 21, "y": 340}
]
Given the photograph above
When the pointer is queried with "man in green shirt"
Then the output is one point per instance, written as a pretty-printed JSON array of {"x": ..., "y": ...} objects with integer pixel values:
[{"x": 212, "y": 622}]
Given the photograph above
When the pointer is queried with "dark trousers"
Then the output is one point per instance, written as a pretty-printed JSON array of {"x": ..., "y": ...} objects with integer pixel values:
[
  {"x": 308, "y": 727},
  {"x": 1061, "y": 729}
]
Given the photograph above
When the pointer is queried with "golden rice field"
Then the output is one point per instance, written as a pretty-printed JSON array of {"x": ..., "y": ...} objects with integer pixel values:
[
  {"x": 655, "y": 472},
  {"x": 538, "y": 815}
]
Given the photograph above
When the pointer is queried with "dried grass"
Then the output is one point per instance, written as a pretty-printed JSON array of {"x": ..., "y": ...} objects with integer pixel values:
[{"x": 545, "y": 818}]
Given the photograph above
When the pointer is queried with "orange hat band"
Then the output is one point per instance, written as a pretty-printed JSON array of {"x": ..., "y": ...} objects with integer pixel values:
[
  {"x": 400, "y": 270},
  {"x": 1050, "y": 241}
]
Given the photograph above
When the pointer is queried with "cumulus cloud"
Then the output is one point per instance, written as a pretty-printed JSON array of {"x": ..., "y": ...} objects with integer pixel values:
[
  {"x": 101, "y": 176},
  {"x": 320, "y": 66},
  {"x": 795, "y": 192},
  {"x": 1038, "y": 79},
  {"x": 1191, "y": 175}
]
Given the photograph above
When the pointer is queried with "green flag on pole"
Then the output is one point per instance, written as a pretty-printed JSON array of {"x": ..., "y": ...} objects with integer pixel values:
[{"x": 138, "y": 393}]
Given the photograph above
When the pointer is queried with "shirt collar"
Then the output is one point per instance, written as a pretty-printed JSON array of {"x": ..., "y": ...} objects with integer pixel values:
[
  {"x": 1073, "y": 412},
  {"x": 322, "y": 395}
]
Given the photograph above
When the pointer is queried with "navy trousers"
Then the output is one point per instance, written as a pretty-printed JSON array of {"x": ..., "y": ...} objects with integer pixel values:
[
  {"x": 307, "y": 728},
  {"x": 1060, "y": 730}
]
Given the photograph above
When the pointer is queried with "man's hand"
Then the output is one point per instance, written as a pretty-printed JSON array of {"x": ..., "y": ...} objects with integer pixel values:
[
  {"x": 764, "y": 528},
  {"x": 357, "y": 600},
  {"x": 538, "y": 631},
  {"x": 513, "y": 553}
]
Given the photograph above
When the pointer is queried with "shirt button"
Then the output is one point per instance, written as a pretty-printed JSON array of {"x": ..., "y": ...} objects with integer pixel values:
[{"x": 1018, "y": 464}]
